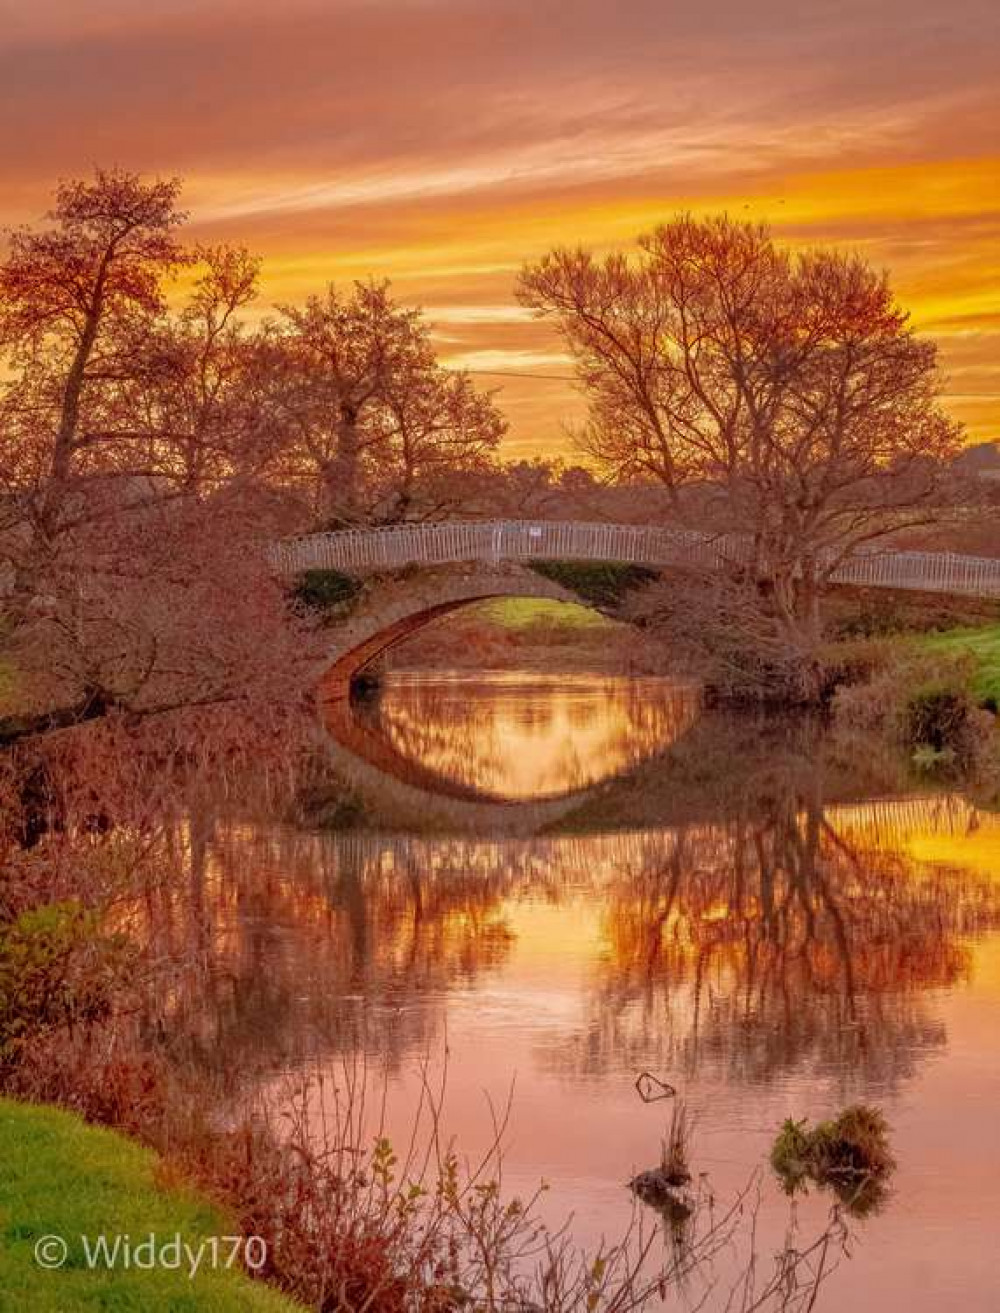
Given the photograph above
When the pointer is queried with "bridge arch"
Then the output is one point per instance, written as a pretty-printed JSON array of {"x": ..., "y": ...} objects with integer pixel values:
[
  {"x": 399, "y": 608},
  {"x": 390, "y": 611}
]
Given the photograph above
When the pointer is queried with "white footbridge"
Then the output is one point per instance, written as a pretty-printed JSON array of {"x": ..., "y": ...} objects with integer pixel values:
[{"x": 373, "y": 550}]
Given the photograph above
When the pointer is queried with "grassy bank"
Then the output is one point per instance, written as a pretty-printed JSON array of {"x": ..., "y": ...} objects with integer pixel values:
[
  {"x": 60, "y": 1177},
  {"x": 538, "y": 613},
  {"x": 521, "y": 632},
  {"x": 983, "y": 645}
]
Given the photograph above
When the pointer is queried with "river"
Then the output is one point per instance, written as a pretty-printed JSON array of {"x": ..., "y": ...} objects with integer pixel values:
[{"x": 600, "y": 881}]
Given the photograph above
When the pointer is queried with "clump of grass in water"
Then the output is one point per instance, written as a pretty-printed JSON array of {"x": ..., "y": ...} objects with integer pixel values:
[
  {"x": 664, "y": 1187},
  {"x": 674, "y": 1158},
  {"x": 849, "y": 1153}
]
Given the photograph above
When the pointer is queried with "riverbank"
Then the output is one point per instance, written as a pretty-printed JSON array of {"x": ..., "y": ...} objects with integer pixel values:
[
  {"x": 63, "y": 1182},
  {"x": 983, "y": 647},
  {"x": 523, "y": 633}
]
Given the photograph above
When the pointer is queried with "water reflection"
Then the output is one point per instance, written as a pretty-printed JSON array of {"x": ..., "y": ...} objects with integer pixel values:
[
  {"x": 515, "y": 737},
  {"x": 286, "y": 945},
  {"x": 802, "y": 941},
  {"x": 744, "y": 912},
  {"x": 786, "y": 943}
]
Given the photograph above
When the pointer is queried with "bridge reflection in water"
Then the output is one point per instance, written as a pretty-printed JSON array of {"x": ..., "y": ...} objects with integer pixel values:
[{"x": 513, "y": 737}]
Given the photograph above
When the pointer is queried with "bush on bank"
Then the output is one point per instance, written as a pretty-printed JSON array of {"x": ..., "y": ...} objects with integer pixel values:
[
  {"x": 924, "y": 705},
  {"x": 56, "y": 969}
]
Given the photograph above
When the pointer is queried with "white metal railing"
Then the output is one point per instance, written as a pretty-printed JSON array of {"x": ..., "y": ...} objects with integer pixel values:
[{"x": 391, "y": 547}]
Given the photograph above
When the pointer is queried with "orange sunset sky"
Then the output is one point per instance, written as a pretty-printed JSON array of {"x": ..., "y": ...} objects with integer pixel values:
[{"x": 441, "y": 143}]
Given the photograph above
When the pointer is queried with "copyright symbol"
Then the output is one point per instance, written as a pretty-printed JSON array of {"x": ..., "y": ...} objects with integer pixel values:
[{"x": 51, "y": 1251}]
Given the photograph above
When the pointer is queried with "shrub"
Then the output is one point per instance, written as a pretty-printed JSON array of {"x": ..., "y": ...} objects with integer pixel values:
[
  {"x": 923, "y": 705},
  {"x": 855, "y": 661},
  {"x": 936, "y": 716},
  {"x": 603, "y": 584},
  {"x": 56, "y": 968},
  {"x": 857, "y": 613},
  {"x": 325, "y": 590}
]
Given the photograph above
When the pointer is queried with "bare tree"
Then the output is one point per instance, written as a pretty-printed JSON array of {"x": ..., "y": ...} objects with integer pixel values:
[
  {"x": 74, "y": 298},
  {"x": 187, "y": 406},
  {"x": 366, "y": 414},
  {"x": 788, "y": 388},
  {"x": 133, "y": 586}
]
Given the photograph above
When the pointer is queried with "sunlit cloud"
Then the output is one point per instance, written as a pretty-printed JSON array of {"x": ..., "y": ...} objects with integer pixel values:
[
  {"x": 480, "y": 314},
  {"x": 511, "y": 361},
  {"x": 441, "y": 143}
]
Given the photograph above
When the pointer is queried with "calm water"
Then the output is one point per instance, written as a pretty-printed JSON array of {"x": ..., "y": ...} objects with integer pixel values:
[
  {"x": 517, "y": 737},
  {"x": 736, "y": 907}
]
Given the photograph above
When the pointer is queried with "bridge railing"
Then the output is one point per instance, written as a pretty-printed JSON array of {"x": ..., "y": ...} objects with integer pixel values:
[
  {"x": 928, "y": 572},
  {"x": 492, "y": 541},
  {"x": 391, "y": 547}
]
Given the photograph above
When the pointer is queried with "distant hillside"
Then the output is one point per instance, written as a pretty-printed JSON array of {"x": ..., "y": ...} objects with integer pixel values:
[{"x": 981, "y": 460}]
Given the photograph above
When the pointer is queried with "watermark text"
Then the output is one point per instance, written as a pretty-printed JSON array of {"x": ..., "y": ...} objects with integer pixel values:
[{"x": 149, "y": 1252}]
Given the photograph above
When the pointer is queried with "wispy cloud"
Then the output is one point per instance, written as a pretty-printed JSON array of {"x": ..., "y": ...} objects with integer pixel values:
[{"x": 442, "y": 142}]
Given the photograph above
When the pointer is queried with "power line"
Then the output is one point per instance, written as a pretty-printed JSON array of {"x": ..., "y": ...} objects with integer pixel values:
[
  {"x": 569, "y": 378},
  {"x": 513, "y": 373}
]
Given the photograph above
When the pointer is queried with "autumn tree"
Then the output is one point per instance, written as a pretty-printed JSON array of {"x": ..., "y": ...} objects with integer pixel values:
[
  {"x": 131, "y": 586},
  {"x": 185, "y": 413},
  {"x": 369, "y": 419},
  {"x": 788, "y": 391},
  {"x": 74, "y": 299},
  {"x": 151, "y": 446}
]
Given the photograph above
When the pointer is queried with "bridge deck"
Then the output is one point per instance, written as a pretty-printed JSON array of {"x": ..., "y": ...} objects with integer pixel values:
[{"x": 362, "y": 551}]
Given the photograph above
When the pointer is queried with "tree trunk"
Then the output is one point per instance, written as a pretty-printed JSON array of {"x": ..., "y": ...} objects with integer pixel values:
[
  {"x": 43, "y": 524},
  {"x": 343, "y": 484}
]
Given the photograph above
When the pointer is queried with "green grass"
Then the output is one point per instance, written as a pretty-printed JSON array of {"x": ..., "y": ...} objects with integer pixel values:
[
  {"x": 984, "y": 646},
  {"x": 60, "y": 1177},
  {"x": 851, "y": 1153},
  {"x": 520, "y": 613}
]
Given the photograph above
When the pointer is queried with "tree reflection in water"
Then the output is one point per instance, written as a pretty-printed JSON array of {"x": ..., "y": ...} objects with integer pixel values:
[
  {"x": 785, "y": 943},
  {"x": 793, "y": 939},
  {"x": 285, "y": 946}
]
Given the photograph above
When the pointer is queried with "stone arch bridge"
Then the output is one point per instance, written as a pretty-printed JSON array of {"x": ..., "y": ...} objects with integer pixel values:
[
  {"x": 452, "y": 564},
  {"x": 389, "y": 614}
]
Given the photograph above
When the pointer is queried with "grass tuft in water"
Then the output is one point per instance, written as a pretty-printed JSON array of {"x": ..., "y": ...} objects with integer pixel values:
[
  {"x": 675, "y": 1154},
  {"x": 849, "y": 1153}
]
